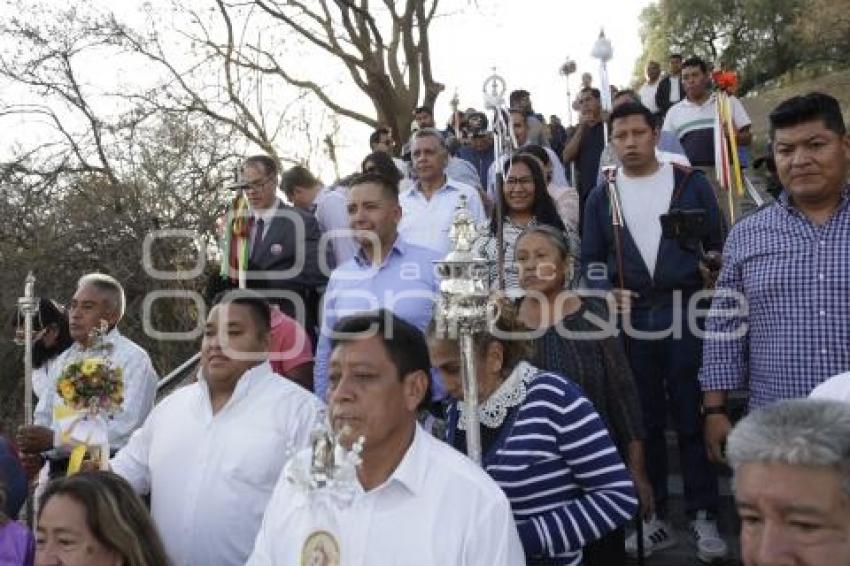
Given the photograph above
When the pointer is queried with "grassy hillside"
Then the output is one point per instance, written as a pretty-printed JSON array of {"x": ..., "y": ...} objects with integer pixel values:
[{"x": 759, "y": 104}]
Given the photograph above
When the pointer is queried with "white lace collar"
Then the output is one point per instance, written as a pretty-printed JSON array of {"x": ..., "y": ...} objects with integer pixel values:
[{"x": 510, "y": 393}]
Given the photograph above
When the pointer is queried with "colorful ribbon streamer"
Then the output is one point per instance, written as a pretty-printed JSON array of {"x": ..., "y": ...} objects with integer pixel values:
[{"x": 82, "y": 430}]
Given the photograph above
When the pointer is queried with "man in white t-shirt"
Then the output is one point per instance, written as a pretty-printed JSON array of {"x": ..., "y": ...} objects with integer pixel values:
[
  {"x": 692, "y": 120},
  {"x": 652, "y": 279},
  {"x": 650, "y": 87}
]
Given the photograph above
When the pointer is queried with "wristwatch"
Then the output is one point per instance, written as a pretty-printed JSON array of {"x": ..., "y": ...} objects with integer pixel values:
[{"x": 715, "y": 410}]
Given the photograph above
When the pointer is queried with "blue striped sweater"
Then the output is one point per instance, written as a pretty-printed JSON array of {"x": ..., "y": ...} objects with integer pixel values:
[{"x": 560, "y": 470}]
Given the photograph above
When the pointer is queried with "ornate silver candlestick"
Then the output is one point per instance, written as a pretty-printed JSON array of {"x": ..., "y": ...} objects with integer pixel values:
[
  {"x": 462, "y": 312},
  {"x": 27, "y": 308},
  {"x": 504, "y": 143}
]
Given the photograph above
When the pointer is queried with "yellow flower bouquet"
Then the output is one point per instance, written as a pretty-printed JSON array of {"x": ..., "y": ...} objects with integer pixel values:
[
  {"x": 92, "y": 391},
  {"x": 93, "y": 385}
]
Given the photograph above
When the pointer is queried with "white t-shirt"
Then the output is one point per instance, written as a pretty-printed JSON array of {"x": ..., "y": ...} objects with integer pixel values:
[
  {"x": 647, "y": 96},
  {"x": 644, "y": 199},
  {"x": 675, "y": 95},
  {"x": 693, "y": 124}
]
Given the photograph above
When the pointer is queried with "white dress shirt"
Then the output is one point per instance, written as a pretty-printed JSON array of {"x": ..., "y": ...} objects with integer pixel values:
[
  {"x": 647, "y": 95},
  {"x": 211, "y": 476},
  {"x": 139, "y": 377},
  {"x": 426, "y": 222},
  {"x": 332, "y": 214},
  {"x": 437, "y": 507},
  {"x": 41, "y": 378},
  {"x": 267, "y": 215}
]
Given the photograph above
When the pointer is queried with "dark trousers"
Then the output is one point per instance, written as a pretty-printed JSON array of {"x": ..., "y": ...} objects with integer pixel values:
[
  {"x": 665, "y": 372},
  {"x": 610, "y": 550}
]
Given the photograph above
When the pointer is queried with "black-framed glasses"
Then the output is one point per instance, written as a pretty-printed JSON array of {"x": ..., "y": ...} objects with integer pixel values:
[
  {"x": 525, "y": 180},
  {"x": 258, "y": 184}
]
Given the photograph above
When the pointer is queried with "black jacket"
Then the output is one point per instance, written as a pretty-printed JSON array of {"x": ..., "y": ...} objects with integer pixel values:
[
  {"x": 662, "y": 94},
  {"x": 677, "y": 266}
]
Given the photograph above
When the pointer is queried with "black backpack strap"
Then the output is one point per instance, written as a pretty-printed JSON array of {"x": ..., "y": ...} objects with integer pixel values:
[{"x": 685, "y": 174}]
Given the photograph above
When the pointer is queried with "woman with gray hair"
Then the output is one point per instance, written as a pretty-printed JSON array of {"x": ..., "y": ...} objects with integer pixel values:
[
  {"x": 570, "y": 339},
  {"x": 792, "y": 483}
]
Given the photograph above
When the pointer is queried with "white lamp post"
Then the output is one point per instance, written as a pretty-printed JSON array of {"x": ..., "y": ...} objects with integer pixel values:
[{"x": 604, "y": 51}]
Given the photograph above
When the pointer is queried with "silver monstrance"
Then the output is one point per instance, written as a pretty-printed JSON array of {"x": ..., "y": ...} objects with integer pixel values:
[{"x": 462, "y": 311}]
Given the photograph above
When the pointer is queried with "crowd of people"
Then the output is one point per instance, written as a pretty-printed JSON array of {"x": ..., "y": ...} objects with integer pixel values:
[{"x": 628, "y": 300}]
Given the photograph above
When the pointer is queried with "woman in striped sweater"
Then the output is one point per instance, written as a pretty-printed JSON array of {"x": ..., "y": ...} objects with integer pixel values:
[
  {"x": 542, "y": 442},
  {"x": 574, "y": 338}
]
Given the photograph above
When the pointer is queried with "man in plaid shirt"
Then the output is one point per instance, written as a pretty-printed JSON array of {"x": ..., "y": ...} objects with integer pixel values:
[{"x": 780, "y": 322}]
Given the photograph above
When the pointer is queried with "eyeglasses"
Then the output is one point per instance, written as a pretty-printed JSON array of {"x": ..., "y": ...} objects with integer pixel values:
[
  {"x": 527, "y": 180},
  {"x": 257, "y": 185}
]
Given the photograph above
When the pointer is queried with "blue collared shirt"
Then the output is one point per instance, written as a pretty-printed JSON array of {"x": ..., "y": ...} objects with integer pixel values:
[
  {"x": 795, "y": 277},
  {"x": 426, "y": 222},
  {"x": 405, "y": 283}
]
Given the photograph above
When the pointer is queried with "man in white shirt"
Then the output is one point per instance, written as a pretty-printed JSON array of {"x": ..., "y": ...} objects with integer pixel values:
[
  {"x": 428, "y": 207},
  {"x": 328, "y": 205},
  {"x": 210, "y": 453},
  {"x": 649, "y": 88},
  {"x": 99, "y": 298},
  {"x": 652, "y": 278},
  {"x": 692, "y": 121},
  {"x": 419, "y": 503}
]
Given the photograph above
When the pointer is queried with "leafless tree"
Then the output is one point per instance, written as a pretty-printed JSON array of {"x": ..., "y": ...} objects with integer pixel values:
[{"x": 382, "y": 48}]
